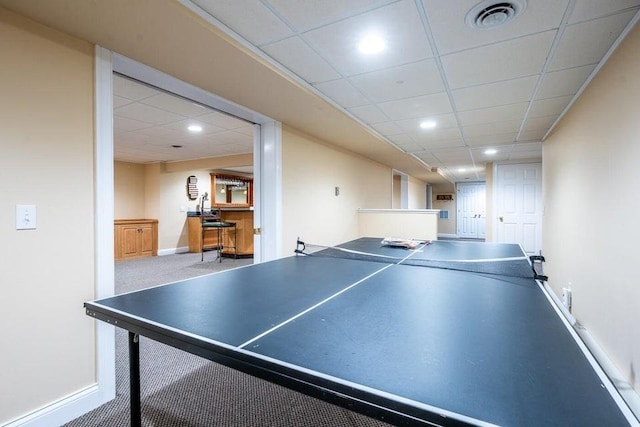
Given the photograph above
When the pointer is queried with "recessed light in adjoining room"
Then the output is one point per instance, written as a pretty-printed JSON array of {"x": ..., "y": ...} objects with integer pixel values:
[
  {"x": 490, "y": 151},
  {"x": 194, "y": 128},
  {"x": 428, "y": 124},
  {"x": 371, "y": 44}
]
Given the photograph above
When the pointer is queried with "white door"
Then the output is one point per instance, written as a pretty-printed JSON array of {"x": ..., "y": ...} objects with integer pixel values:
[
  {"x": 519, "y": 205},
  {"x": 471, "y": 210}
]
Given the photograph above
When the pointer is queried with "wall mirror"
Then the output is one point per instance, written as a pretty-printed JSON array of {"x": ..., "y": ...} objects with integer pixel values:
[{"x": 231, "y": 190}]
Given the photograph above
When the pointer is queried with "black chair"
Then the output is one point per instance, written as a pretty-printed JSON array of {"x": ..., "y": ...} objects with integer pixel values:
[{"x": 210, "y": 221}]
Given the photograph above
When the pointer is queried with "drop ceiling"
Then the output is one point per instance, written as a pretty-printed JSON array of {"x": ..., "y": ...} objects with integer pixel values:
[
  {"x": 502, "y": 88},
  {"x": 151, "y": 126},
  {"x": 297, "y": 62}
]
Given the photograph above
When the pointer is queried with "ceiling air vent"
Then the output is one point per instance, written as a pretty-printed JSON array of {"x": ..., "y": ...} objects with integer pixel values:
[{"x": 489, "y": 14}]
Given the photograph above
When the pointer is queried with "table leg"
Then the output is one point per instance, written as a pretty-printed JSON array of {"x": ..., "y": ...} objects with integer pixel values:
[{"x": 134, "y": 379}]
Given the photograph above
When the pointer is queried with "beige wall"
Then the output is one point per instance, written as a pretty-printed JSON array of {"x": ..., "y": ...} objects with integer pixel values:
[
  {"x": 445, "y": 226},
  {"x": 159, "y": 191},
  {"x": 417, "y": 193},
  {"x": 129, "y": 190},
  {"x": 310, "y": 173},
  {"x": 46, "y": 82},
  {"x": 591, "y": 183}
]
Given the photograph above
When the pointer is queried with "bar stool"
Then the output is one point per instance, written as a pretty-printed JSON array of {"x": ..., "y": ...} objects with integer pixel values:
[{"x": 216, "y": 223}]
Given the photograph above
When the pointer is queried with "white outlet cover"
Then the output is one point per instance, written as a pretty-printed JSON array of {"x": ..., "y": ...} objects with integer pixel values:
[{"x": 26, "y": 217}]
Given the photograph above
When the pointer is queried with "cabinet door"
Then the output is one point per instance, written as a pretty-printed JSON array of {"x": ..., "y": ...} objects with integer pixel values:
[
  {"x": 130, "y": 241},
  {"x": 145, "y": 240}
]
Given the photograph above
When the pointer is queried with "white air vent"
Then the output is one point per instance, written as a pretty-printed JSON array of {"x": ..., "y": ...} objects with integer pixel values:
[{"x": 489, "y": 14}]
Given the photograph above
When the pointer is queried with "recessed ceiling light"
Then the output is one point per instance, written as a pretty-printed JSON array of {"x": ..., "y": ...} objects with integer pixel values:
[
  {"x": 194, "y": 128},
  {"x": 371, "y": 44},
  {"x": 428, "y": 124},
  {"x": 490, "y": 151},
  {"x": 462, "y": 170}
]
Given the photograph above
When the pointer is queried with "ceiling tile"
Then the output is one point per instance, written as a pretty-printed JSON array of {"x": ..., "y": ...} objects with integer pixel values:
[
  {"x": 259, "y": 27},
  {"x": 147, "y": 114},
  {"x": 130, "y": 89},
  {"x": 532, "y": 135},
  {"x": 587, "y": 42},
  {"x": 511, "y": 126},
  {"x": 399, "y": 24},
  {"x": 119, "y": 101},
  {"x": 442, "y": 144},
  {"x": 451, "y": 33},
  {"x": 419, "y": 106},
  {"x": 298, "y": 57},
  {"x": 318, "y": 13},
  {"x": 539, "y": 123},
  {"x": 418, "y": 78},
  {"x": 549, "y": 106},
  {"x": 430, "y": 136},
  {"x": 442, "y": 121},
  {"x": 369, "y": 114},
  {"x": 174, "y": 104},
  {"x": 223, "y": 120},
  {"x": 585, "y": 10},
  {"x": 502, "y": 113},
  {"x": 387, "y": 128},
  {"x": 342, "y": 92},
  {"x": 126, "y": 124},
  {"x": 564, "y": 82},
  {"x": 511, "y": 59},
  {"x": 410, "y": 147},
  {"x": 401, "y": 139},
  {"x": 493, "y": 139},
  {"x": 494, "y": 94}
]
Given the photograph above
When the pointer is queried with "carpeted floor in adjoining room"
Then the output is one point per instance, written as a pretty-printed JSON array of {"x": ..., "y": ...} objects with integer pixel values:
[{"x": 183, "y": 390}]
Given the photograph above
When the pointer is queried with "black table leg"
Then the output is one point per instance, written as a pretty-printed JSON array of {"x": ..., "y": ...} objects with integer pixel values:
[{"x": 134, "y": 379}]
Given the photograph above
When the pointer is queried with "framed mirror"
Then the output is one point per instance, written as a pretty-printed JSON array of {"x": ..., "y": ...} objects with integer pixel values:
[{"x": 231, "y": 190}]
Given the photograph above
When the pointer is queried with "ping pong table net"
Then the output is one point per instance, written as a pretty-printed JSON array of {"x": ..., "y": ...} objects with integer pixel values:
[{"x": 417, "y": 253}]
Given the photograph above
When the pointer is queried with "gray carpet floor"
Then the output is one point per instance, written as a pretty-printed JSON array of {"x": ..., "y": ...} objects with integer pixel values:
[{"x": 180, "y": 389}]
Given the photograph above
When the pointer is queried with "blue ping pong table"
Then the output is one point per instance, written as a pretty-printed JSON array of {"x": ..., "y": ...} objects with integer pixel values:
[{"x": 451, "y": 333}]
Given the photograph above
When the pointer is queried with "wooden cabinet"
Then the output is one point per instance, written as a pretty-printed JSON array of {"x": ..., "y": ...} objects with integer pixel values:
[
  {"x": 135, "y": 238},
  {"x": 244, "y": 233}
]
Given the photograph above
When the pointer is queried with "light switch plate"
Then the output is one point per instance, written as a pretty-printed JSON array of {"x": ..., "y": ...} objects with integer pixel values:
[{"x": 26, "y": 217}]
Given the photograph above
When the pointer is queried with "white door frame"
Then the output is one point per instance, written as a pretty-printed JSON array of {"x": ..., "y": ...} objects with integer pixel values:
[{"x": 267, "y": 184}]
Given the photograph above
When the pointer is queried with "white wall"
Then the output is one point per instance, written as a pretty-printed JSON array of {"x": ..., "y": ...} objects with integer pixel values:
[
  {"x": 46, "y": 136},
  {"x": 591, "y": 182}
]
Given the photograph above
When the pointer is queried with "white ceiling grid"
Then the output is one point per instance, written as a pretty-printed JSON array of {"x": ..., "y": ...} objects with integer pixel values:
[{"x": 501, "y": 88}]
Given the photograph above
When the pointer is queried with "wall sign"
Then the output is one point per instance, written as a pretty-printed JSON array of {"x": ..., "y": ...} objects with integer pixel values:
[{"x": 192, "y": 187}]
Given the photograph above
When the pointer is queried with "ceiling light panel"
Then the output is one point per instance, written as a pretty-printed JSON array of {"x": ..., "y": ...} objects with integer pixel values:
[{"x": 398, "y": 23}]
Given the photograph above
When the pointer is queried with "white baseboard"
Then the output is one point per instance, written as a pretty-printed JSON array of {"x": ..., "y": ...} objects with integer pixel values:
[
  {"x": 64, "y": 410},
  {"x": 181, "y": 250},
  {"x": 626, "y": 392}
]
